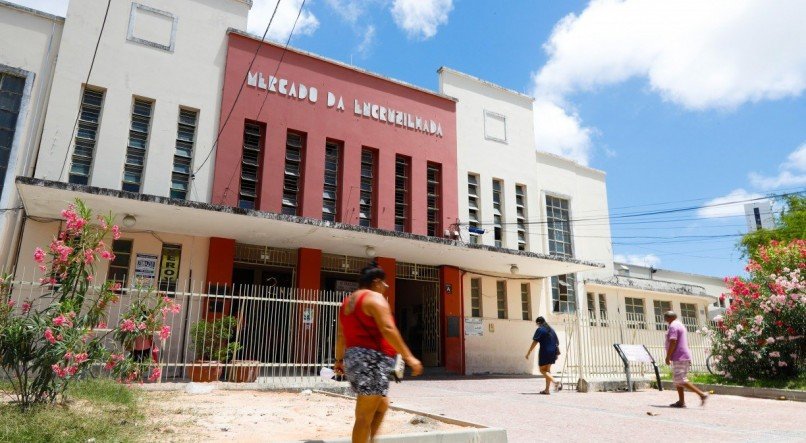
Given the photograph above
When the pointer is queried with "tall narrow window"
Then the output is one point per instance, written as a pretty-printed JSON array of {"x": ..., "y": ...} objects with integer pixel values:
[
  {"x": 473, "y": 208},
  {"x": 138, "y": 145},
  {"x": 498, "y": 227},
  {"x": 402, "y": 187},
  {"x": 602, "y": 310},
  {"x": 330, "y": 194},
  {"x": 251, "y": 162},
  {"x": 86, "y": 136},
  {"x": 292, "y": 183},
  {"x": 434, "y": 199},
  {"x": 185, "y": 138},
  {"x": 634, "y": 309},
  {"x": 11, "y": 89},
  {"x": 661, "y": 307},
  {"x": 367, "y": 200},
  {"x": 688, "y": 315},
  {"x": 591, "y": 308},
  {"x": 119, "y": 266},
  {"x": 559, "y": 226},
  {"x": 475, "y": 297},
  {"x": 563, "y": 293},
  {"x": 520, "y": 208},
  {"x": 526, "y": 302},
  {"x": 501, "y": 298}
]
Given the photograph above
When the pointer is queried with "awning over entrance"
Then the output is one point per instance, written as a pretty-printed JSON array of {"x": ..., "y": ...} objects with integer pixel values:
[{"x": 44, "y": 198}]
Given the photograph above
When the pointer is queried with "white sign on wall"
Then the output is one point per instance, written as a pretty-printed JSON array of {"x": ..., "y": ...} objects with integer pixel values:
[
  {"x": 145, "y": 266},
  {"x": 473, "y": 327}
]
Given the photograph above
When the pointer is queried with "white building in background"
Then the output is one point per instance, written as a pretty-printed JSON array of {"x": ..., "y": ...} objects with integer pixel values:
[
  {"x": 511, "y": 196},
  {"x": 145, "y": 119},
  {"x": 759, "y": 215},
  {"x": 27, "y": 59}
]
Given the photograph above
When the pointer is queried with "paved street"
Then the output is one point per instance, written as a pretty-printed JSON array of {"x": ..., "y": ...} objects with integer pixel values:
[{"x": 513, "y": 404}]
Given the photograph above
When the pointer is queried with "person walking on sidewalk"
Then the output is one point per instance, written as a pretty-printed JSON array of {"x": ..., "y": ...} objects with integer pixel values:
[
  {"x": 548, "y": 352},
  {"x": 366, "y": 343},
  {"x": 678, "y": 357}
]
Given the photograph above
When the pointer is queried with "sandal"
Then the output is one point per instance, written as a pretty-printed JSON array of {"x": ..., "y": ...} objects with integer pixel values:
[
  {"x": 703, "y": 399},
  {"x": 677, "y": 404},
  {"x": 544, "y": 393},
  {"x": 558, "y": 386}
]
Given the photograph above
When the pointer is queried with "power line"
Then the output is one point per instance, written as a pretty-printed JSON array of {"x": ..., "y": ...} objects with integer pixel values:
[
  {"x": 86, "y": 82},
  {"x": 643, "y": 214},
  {"x": 276, "y": 70},
  {"x": 234, "y": 102}
]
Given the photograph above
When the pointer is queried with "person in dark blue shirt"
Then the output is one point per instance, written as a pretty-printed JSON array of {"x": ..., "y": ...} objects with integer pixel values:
[{"x": 547, "y": 355}]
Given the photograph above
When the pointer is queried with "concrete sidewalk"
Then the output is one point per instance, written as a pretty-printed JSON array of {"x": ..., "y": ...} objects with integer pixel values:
[{"x": 513, "y": 404}]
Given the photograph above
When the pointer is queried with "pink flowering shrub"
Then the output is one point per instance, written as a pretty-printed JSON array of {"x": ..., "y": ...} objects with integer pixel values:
[
  {"x": 763, "y": 333},
  {"x": 47, "y": 343}
]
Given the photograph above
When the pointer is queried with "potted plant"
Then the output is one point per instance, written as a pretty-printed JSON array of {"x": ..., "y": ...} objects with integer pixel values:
[
  {"x": 244, "y": 371},
  {"x": 211, "y": 341}
]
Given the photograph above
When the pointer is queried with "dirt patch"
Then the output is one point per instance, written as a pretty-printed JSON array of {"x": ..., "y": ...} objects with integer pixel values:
[{"x": 265, "y": 416}]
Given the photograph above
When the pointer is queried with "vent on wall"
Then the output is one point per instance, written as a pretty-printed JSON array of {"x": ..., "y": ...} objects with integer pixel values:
[
  {"x": 495, "y": 126},
  {"x": 152, "y": 27}
]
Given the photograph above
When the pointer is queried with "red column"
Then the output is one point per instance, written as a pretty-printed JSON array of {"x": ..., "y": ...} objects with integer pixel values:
[
  {"x": 350, "y": 191},
  {"x": 309, "y": 271},
  {"x": 389, "y": 265},
  {"x": 313, "y": 176},
  {"x": 452, "y": 320},
  {"x": 419, "y": 196},
  {"x": 385, "y": 200},
  {"x": 220, "y": 261},
  {"x": 271, "y": 181}
]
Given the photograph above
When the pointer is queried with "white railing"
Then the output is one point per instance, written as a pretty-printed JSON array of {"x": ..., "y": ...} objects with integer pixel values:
[
  {"x": 592, "y": 356},
  {"x": 284, "y": 335}
]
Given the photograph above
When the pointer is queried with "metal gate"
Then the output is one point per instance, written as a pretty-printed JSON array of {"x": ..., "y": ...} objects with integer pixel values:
[{"x": 432, "y": 346}]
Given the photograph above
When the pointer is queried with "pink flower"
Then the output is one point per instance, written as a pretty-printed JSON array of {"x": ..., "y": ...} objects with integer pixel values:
[
  {"x": 26, "y": 307},
  {"x": 43, "y": 268},
  {"x": 155, "y": 374},
  {"x": 781, "y": 364},
  {"x": 142, "y": 326},
  {"x": 106, "y": 255},
  {"x": 90, "y": 278},
  {"x": 59, "y": 371},
  {"x": 49, "y": 336},
  {"x": 68, "y": 355},
  {"x": 11, "y": 303},
  {"x": 39, "y": 255},
  {"x": 80, "y": 358},
  {"x": 759, "y": 319},
  {"x": 731, "y": 358},
  {"x": 89, "y": 256},
  {"x": 71, "y": 370},
  {"x": 60, "y": 321},
  {"x": 775, "y": 354},
  {"x": 127, "y": 325},
  {"x": 101, "y": 325},
  {"x": 115, "y": 232},
  {"x": 770, "y": 340},
  {"x": 165, "y": 332}
]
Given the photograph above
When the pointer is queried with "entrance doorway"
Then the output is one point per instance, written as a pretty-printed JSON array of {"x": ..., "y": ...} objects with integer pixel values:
[{"x": 417, "y": 313}]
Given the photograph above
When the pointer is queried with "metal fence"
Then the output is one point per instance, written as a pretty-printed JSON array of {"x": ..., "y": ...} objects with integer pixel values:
[
  {"x": 283, "y": 335},
  {"x": 590, "y": 354}
]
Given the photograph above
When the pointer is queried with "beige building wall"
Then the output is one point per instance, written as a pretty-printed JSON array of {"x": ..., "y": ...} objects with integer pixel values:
[
  {"x": 30, "y": 43},
  {"x": 171, "y": 52}
]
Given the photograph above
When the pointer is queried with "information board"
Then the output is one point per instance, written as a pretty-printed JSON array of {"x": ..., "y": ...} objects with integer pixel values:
[
  {"x": 636, "y": 353},
  {"x": 473, "y": 327},
  {"x": 145, "y": 267}
]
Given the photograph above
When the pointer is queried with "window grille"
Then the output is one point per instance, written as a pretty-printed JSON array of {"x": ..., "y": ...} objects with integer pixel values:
[
  {"x": 86, "y": 136},
  {"x": 183, "y": 156},
  {"x": 251, "y": 165},
  {"x": 138, "y": 145}
]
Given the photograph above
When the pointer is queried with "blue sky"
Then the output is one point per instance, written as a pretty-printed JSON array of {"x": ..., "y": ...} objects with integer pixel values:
[{"x": 682, "y": 103}]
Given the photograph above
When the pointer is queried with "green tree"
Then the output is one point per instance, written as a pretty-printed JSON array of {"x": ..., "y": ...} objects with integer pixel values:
[{"x": 790, "y": 225}]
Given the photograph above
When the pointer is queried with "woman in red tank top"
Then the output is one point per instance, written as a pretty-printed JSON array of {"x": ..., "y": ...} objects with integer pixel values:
[{"x": 366, "y": 343}]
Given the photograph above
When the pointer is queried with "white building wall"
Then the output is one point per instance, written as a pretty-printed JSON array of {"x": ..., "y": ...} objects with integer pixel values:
[
  {"x": 190, "y": 75},
  {"x": 32, "y": 56}
]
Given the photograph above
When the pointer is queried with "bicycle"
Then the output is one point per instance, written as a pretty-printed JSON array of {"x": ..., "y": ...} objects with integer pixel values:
[{"x": 710, "y": 364}]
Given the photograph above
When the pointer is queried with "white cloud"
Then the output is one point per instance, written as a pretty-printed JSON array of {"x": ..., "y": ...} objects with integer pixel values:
[
  {"x": 283, "y": 22},
  {"x": 728, "y": 205},
  {"x": 366, "y": 43},
  {"x": 349, "y": 10},
  {"x": 55, "y": 7},
  {"x": 792, "y": 173},
  {"x": 700, "y": 54},
  {"x": 421, "y": 18},
  {"x": 637, "y": 259},
  {"x": 561, "y": 132}
]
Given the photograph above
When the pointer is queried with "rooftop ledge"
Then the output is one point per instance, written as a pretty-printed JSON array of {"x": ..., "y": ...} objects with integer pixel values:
[
  {"x": 46, "y": 198},
  {"x": 645, "y": 284}
]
